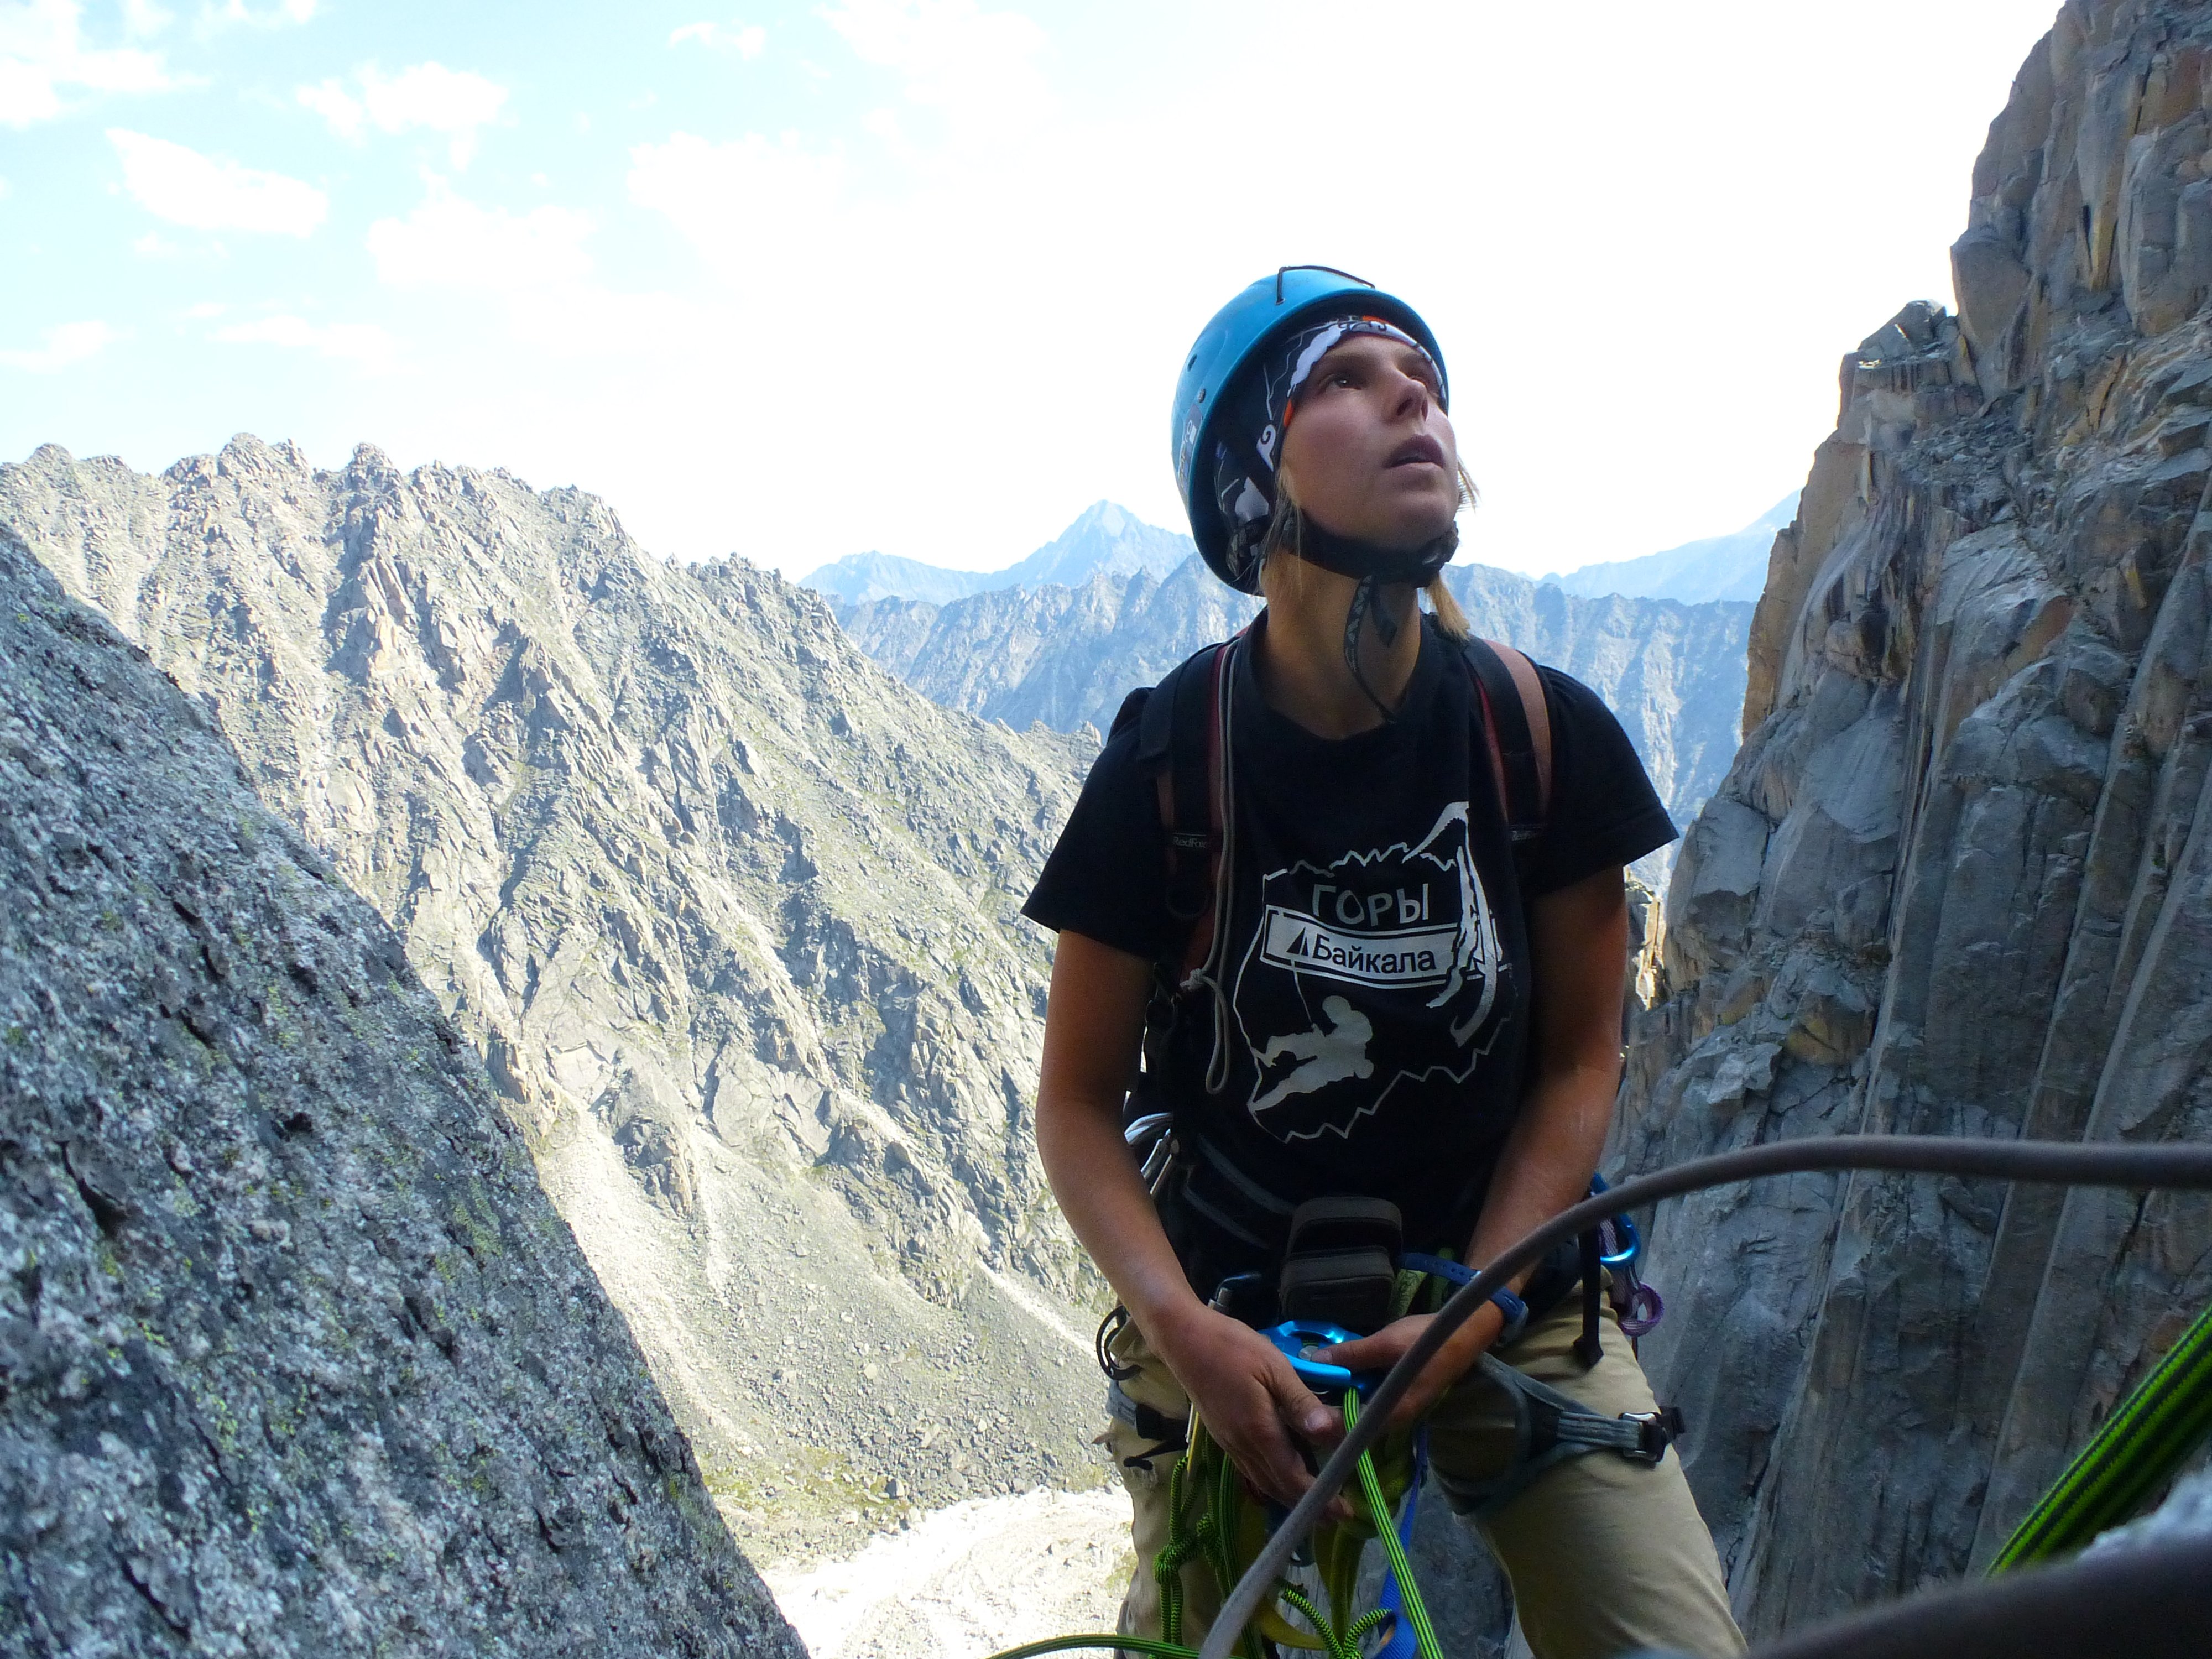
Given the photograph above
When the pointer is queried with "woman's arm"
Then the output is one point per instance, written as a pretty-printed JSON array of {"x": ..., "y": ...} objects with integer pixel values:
[
  {"x": 1245, "y": 1389},
  {"x": 1578, "y": 937}
]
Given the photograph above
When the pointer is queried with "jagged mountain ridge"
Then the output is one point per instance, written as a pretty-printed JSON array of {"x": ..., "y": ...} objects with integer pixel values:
[
  {"x": 1067, "y": 656},
  {"x": 729, "y": 912},
  {"x": 1958, "y": 880},
  {"x": 1104, "y": 539},
  {"x": 296, "y": 1358}
]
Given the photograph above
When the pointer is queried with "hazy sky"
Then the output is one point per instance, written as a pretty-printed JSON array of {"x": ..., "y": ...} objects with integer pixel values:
[{"x": 797, "y": 281}]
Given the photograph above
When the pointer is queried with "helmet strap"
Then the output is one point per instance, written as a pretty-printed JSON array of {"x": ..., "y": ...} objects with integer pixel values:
[
  {"x": 1316, "y": 543},
  {"x": 1385, "y": 627},
  {"x": 1373, "y": 566}
]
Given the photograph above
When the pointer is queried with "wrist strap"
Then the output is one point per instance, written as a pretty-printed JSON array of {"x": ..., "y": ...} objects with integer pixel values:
[
  {"x": 1516, "y": 1317},
  {"x": 1515, "y": 1310}
]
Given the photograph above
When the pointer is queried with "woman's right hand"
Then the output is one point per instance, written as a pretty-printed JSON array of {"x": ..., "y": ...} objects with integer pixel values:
[{"x": 1250, "y": 1400}]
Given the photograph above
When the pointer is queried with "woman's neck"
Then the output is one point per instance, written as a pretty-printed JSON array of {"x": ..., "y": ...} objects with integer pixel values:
[{"x": 1299, "y": 655}]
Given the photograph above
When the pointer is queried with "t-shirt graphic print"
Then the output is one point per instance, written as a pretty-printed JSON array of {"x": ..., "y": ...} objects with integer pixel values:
[{"x": 1374, "y": 973}]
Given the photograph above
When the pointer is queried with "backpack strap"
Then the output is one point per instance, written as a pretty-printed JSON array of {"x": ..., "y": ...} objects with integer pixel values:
[
  {"x": 1517, "y": 726},
  {"x": 1180, "y": 742}
]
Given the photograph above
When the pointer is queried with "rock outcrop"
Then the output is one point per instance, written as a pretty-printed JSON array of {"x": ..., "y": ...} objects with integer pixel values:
[
  {"x": 1958, "y": 881},
  {"x": 729, "y": 913},
  {"x": 296, "y": 1358},
  {"x": 1066, "y": 656}
]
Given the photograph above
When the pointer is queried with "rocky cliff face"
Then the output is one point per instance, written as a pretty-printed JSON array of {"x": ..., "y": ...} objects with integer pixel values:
[
  {"x": 296, "y": 1358},
  {"x": 1960, "y": 878},
  {"x": 1066, "y": 656},
  {"x": 730, "y": 913}
]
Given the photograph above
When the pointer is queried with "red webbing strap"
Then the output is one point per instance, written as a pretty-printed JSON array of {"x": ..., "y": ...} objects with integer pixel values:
[{"x": 1518, "y": 734}]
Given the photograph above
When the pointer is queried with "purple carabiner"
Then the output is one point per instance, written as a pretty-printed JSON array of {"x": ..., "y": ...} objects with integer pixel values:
[{"x": 1645, "y": 1311}]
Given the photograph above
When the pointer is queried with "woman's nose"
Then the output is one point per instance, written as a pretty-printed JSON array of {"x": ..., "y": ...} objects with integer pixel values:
[{"x": 1411, "y": 395}]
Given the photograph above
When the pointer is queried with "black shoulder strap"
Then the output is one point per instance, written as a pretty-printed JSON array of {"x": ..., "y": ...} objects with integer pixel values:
[
  {"x": 1517, "y": 727},
  {"x": 1175, "y": 743},
  {"x": 1131, "y": 711}
]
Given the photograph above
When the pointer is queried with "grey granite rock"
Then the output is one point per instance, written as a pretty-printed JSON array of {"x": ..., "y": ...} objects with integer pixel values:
[
  {"x": 1958, "y": 880},
  {"x": 296, "y": 1358},
  {"x": 729, "y": 913}
]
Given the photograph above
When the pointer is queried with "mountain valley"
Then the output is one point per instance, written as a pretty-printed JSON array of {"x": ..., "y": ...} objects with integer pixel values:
[{"x": 729, "y": 913}]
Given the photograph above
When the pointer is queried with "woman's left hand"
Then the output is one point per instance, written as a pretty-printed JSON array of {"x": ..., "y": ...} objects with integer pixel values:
[{"x": 1387, "y": 1346}]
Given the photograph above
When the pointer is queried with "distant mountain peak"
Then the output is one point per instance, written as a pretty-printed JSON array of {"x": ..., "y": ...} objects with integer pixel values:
[
  {"x": 1731, "y": 566},
  {"x": 1104, "y": 537}
]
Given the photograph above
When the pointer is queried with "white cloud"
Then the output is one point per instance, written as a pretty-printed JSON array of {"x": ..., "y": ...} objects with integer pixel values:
[
  {"x": 70, "y": 342},
  {"x": 187, "y": 188},
  {"x": 427, "y": 96},
  {"x": 231, "y": 12},
  {"x": 357, "y": 343},
  {"x": 748, "y": 40},
  {"x": 43, "y": 54},
  {"x": 339, "y": 109},
  {"x": 144, "y": 18},
  {"x": 981, "y": 70},
  {"x": 751, "y": 205},
  {"x": 449, "y": 241}
]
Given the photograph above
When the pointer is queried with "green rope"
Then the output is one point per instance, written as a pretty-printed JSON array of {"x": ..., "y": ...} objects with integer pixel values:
[
  {"x": 1133, "y": 1643},
  {"x": 2141, "y": 1446},
  {"x": 1167, "y": 1564},
  {"x": 1373, "y": 1619},
  {"x": 1212, "y": 1537},
  {"x": 1417, "y": 1615},
  {"x": 1332, "y": 1643}
]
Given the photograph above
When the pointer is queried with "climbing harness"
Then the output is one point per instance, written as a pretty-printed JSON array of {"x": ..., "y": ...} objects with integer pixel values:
[
  {"x": 2174, "y": 1574},
  {"x": 1549, "y": 1427},
  {"x": 2104, "y": 1163},
  {"x": 2141, "y": 1446},
  {"x": 1344, "y": 1273}
]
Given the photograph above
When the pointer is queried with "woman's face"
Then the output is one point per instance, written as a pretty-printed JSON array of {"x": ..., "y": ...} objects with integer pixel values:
[{"x": 1370, "y": 452}]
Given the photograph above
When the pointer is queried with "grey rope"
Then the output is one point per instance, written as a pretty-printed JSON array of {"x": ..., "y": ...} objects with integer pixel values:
[{"x": 2068, "y": 1163}]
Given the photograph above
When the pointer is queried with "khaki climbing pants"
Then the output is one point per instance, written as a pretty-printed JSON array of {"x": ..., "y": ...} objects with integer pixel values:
[{"x": 1604, "y": 1555}]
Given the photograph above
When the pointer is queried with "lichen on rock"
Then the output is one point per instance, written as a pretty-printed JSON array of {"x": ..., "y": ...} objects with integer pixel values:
[{"x": 295, "y": 1357}]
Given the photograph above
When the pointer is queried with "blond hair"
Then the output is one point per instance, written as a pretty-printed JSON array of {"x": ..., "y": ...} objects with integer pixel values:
[{"x": 1285, "y": 533}]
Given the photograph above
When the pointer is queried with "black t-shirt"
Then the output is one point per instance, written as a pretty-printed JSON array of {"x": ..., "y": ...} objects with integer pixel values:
[{"x": 1371, "y": 988}]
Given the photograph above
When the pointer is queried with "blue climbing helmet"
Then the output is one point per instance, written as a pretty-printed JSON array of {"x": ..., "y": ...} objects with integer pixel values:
[{"x": 1221, "y": 372}]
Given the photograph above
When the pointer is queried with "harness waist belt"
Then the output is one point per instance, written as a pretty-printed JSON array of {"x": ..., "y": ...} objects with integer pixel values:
[{"x": 1146, "y": 1420}]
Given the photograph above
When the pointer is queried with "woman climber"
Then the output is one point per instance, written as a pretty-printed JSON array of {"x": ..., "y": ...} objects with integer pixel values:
[{"x": 1351, "y": 885}]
